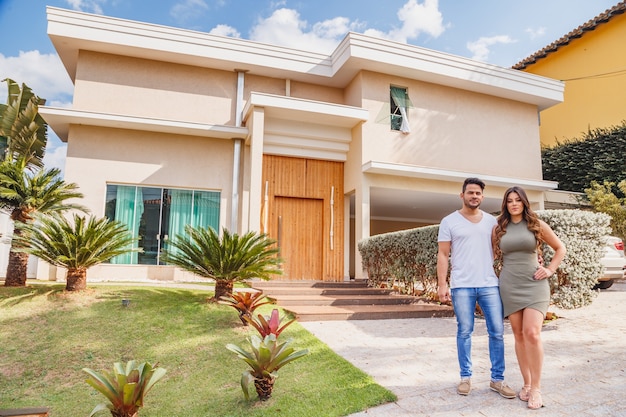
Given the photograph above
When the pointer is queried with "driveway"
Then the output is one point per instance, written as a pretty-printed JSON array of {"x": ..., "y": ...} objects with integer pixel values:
[{"x": 584, "y": 364}]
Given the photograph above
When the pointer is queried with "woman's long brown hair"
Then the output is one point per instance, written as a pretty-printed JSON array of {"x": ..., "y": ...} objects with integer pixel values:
[{"x": 505, "y": 218}]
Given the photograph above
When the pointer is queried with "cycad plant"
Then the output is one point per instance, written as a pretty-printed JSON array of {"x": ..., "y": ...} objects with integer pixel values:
[
  {"x": 125, "y": 387},
  {"x": 245, "y": 302},
  {"x": 75, "y": 244},
  {"x": 226, "y": 260},
  {"x": 267, "y": 357},
  {"x": 23, "y": 194}
]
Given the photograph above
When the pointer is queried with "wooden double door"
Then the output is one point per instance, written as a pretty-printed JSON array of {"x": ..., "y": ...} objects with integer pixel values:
[{"x": 304, "y": 203}]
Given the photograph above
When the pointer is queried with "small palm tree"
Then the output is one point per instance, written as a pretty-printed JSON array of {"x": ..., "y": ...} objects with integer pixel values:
[
  {"x": 23, "y": 193},
  {"x": 227, "y": 260},
  {"x": 76, "y": 245}
]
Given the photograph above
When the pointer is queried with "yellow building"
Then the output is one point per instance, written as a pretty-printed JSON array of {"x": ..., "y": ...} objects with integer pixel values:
[{"x": 591, "y": 60}]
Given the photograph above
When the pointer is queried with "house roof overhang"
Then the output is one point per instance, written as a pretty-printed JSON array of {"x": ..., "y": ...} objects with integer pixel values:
[
  {"x": 60, "y": 119},
  {"x": 72, "y": 31},
  {"x": 309, "y": 111},
  {"x": 413, "y": 171}
]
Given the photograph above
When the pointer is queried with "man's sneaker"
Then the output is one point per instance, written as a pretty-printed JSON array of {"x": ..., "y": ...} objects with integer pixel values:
[
  {"x": 503, "y": 389},
  {"x": 465, "y": 386}
]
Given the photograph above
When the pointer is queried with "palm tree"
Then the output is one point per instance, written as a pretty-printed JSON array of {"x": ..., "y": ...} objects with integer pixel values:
[
  {"x": 76, "y": 245},
  {"x": 227, "y": 260},
  {"x": 22, "y": 194},
  {"x": 23, "y": 132}
]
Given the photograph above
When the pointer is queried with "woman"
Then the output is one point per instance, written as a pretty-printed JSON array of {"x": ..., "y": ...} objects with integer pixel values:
[{"x": 524, "y": 287}]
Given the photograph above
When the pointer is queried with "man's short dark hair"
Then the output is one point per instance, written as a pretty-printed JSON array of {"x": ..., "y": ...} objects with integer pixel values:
[{"x": 473, "y": 181}]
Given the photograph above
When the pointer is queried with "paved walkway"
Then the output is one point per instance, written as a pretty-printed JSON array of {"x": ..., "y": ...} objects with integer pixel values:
[{"x": 584, "y": 365}]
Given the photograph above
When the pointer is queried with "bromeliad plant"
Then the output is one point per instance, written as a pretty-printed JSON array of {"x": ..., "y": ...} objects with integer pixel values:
[
  {"x": 268, "y": 325},
  {"x": 267, "y": 357},
  {"x": 125, "y": 387},
  {"x": 245, "y": 302}
]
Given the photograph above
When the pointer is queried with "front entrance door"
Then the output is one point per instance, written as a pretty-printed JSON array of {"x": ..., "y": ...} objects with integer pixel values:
[{"x": 299, "y": 223}]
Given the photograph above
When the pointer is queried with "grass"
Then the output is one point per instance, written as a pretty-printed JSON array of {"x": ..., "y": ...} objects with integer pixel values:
[{"x": 49, "y": 335}]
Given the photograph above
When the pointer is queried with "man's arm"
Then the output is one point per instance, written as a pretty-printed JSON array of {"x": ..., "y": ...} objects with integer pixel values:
[{"x": 443, "y": 254}]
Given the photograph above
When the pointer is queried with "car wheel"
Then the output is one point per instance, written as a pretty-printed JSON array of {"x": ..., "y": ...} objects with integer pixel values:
[{"x": 603, "y": 285}]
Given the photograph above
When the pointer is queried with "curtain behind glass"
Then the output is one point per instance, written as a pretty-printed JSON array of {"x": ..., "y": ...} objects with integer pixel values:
[
  {"x": 206, "y": 210},
  {"x": 126, "y": 213},
  {"x": 401, "y": 100},
  {"x": 180, "y": 212}
]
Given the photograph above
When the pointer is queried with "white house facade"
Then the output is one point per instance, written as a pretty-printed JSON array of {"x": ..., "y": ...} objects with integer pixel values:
[{"x": 170, "y": 127}]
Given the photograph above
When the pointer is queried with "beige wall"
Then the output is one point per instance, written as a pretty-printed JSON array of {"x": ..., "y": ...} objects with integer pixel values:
[
  {"x": 97, "y": 156},
  {"x": 452, "y": 129},
  {"x": 140, "y": 87}
]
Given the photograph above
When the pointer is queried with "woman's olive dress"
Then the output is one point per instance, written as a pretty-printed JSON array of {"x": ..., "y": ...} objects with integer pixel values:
[{"x": 518, "y": 289}]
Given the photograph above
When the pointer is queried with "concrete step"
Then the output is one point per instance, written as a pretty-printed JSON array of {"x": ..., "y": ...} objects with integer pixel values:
[
  {"x": 371, "y": 312},
  {"x": 348, "y": 300},
  {"x": 340, "y": 300}
]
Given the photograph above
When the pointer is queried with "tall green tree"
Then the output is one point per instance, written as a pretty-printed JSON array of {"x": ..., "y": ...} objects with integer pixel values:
[
  {"x": 75, "y": 244},
  {"x": 23, "y": 193},
  {"x": 226, "y": 260},
  {"x": 23, "y": 132}
]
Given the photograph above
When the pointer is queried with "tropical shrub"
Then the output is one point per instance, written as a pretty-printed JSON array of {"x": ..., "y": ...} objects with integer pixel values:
[
  {"x": 268, "y": 325},
  {"x": 245, "y": 302},
  {"x": 407, "y": 260},
  {"x": 267, "y": 357},
  {"x": 76, "y": 244},
  {"x": 229, "y": 259},
  {"x": 23, "y": 194},
  {"x": 23, "y": 132},
  {"x": 603, "y": 199},
  {"x": 125, "y": 387}
]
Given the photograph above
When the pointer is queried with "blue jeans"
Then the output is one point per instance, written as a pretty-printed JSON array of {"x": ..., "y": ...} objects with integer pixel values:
[{"x": 464, "y": 302}]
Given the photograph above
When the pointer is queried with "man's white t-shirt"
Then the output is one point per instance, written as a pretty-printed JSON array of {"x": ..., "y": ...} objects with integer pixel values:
[{"x": 471, "y": 254}]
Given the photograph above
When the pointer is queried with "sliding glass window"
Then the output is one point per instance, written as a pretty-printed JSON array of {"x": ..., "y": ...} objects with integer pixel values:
[{"x": 156, "y": 215}]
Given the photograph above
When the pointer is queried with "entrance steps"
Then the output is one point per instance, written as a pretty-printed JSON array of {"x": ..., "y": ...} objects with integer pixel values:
[{"x": 347, "y": 300}]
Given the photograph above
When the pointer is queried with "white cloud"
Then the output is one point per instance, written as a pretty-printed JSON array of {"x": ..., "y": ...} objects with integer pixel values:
[
  {"x": 225, "y": 30},
  {"x": 481, "y": 48},
  {"x": 56, "y": 152},
  {"x": 416, "y": 19},
  {"x": 43, "y": 73},
  {"x": 187, "y": 10},
  {"x": 285, "y": 27},
  {"x": 91, "y": 6},
  {"x": 536, "y": 33}
]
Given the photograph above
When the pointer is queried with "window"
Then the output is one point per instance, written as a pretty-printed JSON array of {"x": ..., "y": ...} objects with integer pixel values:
[
  {"x": 399, "y": 100},
  {"x": 155, "y": 215}
]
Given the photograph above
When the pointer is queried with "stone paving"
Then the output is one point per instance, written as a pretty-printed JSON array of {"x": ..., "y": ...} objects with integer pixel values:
[{"x": 584, "y": 370}]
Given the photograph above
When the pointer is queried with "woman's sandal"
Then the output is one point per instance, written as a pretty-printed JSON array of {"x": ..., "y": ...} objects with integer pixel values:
[
  {"x": 534, "y": 399},
  {"x": 524, "y": 393}
]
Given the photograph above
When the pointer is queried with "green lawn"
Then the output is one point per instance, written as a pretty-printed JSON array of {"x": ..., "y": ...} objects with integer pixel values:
[{"x": 47, "y": 336}]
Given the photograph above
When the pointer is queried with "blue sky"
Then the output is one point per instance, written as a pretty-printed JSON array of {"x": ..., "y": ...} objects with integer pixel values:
[{"x": 500, "y": 32}]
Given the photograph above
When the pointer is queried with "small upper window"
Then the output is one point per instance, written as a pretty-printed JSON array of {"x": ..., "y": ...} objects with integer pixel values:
[{"x": 399, "y": 100}]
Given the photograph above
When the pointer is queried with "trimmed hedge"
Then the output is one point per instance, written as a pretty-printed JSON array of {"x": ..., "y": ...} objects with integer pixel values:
[
  {"x": 600, "y": 155},
  {"x": 407, "y": 260}
]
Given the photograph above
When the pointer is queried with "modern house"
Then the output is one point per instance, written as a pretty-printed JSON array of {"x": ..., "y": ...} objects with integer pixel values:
[
  {"x": 171, "y": 127},
  {"x": 591, "y": 61}
]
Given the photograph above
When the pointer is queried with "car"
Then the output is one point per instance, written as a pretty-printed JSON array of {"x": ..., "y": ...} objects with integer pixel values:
[{"x": 614, "y": 263}]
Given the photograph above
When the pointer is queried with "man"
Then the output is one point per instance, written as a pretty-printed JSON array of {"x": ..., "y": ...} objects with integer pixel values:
[{"x": 465, "y": 239}]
